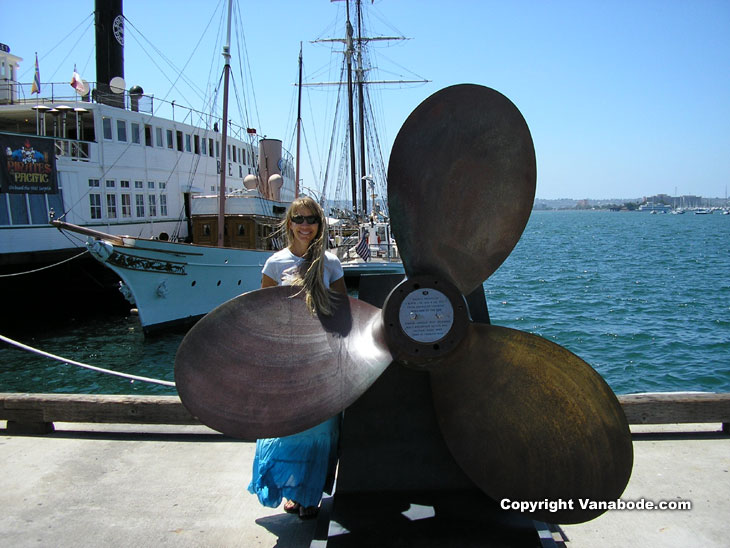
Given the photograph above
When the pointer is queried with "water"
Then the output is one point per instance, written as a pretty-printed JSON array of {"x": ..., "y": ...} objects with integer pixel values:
[{"x": 645, "y": 299}]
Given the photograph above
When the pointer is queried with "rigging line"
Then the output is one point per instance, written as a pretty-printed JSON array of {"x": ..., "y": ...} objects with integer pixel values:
[
  {"x": 242, "y": 40},
  {"x": 317, "y": 140},
  {"x": 85, "y": 366},
  {"x": 336, "y": 120},
  {"x": 81, "y": 36},
  {"x": 45, "y": 267},
  {"x": 90, "y": 18},
  {"x": 180, "y": 72},
  {"x": 311, "y": 162},
  {"x": 246, "y": 79}
]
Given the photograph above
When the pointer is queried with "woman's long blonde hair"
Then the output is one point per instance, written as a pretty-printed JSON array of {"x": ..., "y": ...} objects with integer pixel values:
[{"x": 310, "y": 274}]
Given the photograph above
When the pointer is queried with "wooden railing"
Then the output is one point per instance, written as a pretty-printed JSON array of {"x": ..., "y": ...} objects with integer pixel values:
[{"x": 36, "y": 413}]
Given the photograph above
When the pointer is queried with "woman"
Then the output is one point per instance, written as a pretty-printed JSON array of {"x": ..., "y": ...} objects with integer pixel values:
[{"x": 300, "y": 467}]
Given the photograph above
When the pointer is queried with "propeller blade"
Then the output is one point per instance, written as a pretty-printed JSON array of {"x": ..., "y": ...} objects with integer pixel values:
[
  {"x": 527, "y": 420},
  {"x": 261, "y": 365},
  {"x": 461, "y": 184}
]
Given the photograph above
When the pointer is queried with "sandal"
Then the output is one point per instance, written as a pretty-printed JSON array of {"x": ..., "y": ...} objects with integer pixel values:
[
  {"x": 309, "y": 512},
  {"x": 292, "y": 507}
]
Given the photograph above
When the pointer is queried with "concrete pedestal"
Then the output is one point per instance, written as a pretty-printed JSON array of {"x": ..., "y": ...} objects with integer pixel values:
[{"x": 397, "y": 483}]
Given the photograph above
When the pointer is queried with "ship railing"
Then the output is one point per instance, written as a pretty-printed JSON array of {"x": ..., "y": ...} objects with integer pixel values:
[
  {"x": 55, "y": 92},
  {"x": 75, "y": 150}
]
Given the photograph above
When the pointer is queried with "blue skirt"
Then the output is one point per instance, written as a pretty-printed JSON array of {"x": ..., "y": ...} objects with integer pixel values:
[{"x": 299, "y": 467}]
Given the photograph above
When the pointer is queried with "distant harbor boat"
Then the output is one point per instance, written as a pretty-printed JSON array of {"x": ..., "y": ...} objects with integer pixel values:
[{"x": 655, "y": 208}]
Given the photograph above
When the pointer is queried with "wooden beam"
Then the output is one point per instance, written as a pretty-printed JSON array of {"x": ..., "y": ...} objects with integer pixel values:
[
  {"x": 676, "y": 408},
  {"x": 39, "y": 411},
  {"x": 93, "y": 408}
]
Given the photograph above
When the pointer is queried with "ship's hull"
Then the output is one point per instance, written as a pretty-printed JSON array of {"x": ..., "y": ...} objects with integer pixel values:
[{"x": 173, "y": 284}]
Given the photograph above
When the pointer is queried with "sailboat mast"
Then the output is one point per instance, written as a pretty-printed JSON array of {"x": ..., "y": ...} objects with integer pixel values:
[
  {"x": 224, "y": 140},
  {"x": 299, "y": 125},
  {"x": 361, "y": 105},
  {"x": 351, "y": 116}
]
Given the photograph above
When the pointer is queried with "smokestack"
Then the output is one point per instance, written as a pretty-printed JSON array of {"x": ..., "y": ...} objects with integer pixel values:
[{"x": 109, "y": 20}]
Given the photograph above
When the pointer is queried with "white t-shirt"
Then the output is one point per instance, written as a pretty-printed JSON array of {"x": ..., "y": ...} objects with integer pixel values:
[{"x": 282, "y": 265}]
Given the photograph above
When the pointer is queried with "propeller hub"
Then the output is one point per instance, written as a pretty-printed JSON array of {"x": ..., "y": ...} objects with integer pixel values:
[{"x": 425, "y": 318}]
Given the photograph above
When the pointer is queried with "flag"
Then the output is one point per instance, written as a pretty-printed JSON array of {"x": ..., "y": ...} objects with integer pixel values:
[
  {"x": 36, "y": 87},
  {"x": 362, "y": 248},
  {"x": 76, "y": 82},
  {"x": 251, "y": 131}
]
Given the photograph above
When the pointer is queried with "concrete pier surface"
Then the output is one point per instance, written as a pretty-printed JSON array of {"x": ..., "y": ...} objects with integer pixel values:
[{"x": 185, "y": 486}]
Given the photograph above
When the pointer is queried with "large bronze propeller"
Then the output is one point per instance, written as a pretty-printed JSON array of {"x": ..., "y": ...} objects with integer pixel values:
[{"x": 526, "y": 419}]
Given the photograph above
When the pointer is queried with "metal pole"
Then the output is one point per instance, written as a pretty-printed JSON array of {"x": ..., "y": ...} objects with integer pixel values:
[{"x": 226, "y": 76}]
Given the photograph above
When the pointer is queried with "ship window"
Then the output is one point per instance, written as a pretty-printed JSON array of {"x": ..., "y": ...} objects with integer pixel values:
[
  {"x": 151, "y": 184},
  {"x": 124, "y": 184},
  {"x": 4, "y": 214},
  {"x": 158, "y": 134},
  {"x": 38, "y": 210},
  {"x": 111, "y": 206},
  {"x": 126, "y": 205},
  {"x": 153, "y": 205},
  {"x": 241, "y": 230},
  {"x": 217, "y": 149},
  {"x": 93, "y": 183},
  {"x": 188, "y": 147},
  {"x": 206, "y": 229},
  {"x": 210, "y": 147},
  {"x": 196, "y": 141},
  {"x": 139, "y": 203},
  {"x": 135, "y": 133},
  {"x": 110, "y": 183},
  {"x": 122, "y": 131},
  {"x": 163, "y": 205},
  {"x": 169, "y": 139},
  {"x": 163, "y": 186},
  {"x": 107, "y": 126},
  {"x": 148, "y": 135},
  {"x": 179, "y": 140},
  {"x": 95, "y": 206},
  {"x": 18, "y": 209}
]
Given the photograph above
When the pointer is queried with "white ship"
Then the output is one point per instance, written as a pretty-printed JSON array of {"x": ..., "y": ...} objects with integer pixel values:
[{"x": 96, "y": 155}]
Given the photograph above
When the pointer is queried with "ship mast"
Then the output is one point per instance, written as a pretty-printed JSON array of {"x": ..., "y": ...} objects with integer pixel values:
[
  {"x": 299, "y": 125},
  {"x": 226, "y": 76},
  {"x": 354, "y": 48},
  {"x": 349, "y": 50},
  {"x": 361, "y": 105}
]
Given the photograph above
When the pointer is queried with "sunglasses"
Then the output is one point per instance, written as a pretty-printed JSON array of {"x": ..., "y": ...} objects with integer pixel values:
[{"x": 310, "y": 219}]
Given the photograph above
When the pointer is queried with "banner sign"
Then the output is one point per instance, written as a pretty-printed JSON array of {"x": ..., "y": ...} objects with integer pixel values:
[{"x": 28, "y": 165}]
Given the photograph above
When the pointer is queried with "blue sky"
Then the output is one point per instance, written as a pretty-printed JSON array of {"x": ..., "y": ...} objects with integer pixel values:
[{"x": 623, "y": 98}]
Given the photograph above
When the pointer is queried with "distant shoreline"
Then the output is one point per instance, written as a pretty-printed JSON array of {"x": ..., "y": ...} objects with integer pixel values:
[{"x": 676, "y": 202}]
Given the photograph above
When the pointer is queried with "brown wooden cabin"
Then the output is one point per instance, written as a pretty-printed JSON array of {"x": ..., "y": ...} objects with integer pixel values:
[{"x": 241, "y": 231}]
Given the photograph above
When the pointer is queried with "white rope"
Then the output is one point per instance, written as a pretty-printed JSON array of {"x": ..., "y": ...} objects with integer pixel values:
[
  {"x": 92, "y": 367},
  {"x": 45, "y": 267}
]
